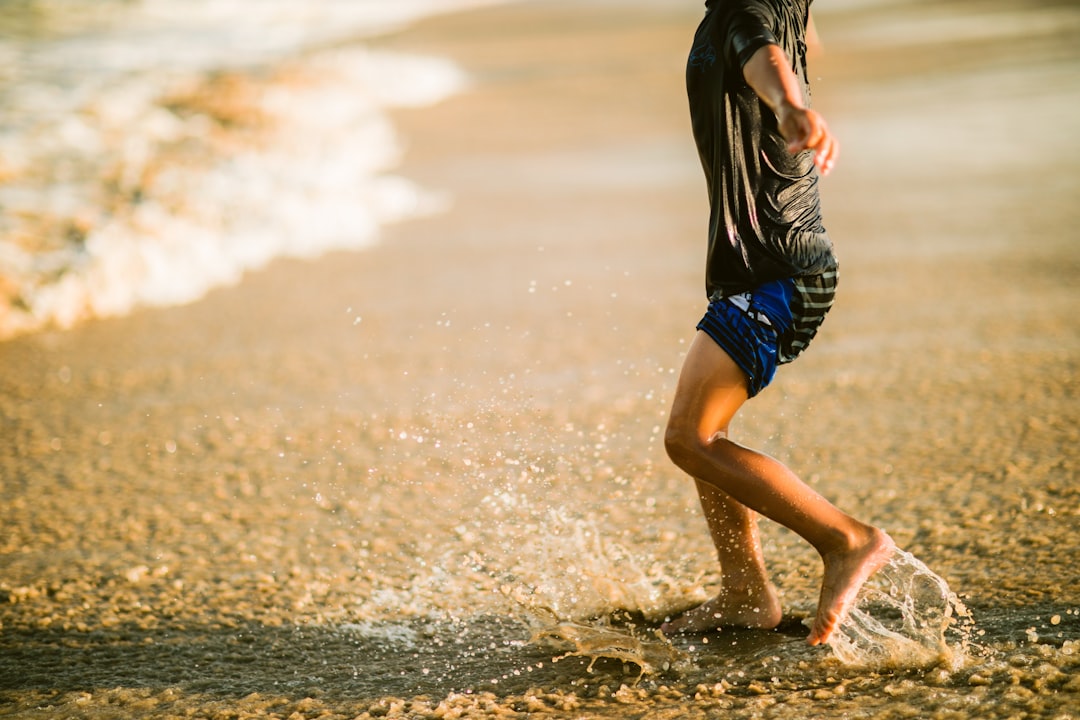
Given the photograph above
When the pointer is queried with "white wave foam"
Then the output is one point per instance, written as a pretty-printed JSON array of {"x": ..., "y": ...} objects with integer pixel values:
[{"x": 159, "y": 150}]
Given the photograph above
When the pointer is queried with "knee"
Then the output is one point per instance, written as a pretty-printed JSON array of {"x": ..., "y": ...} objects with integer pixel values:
[
  {"x": 686, "y": 446},
  {"x": 682, "y": 444}
]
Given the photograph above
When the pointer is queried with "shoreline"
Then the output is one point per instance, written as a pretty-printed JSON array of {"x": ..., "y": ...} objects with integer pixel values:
[{"x": 316, "y": 484}]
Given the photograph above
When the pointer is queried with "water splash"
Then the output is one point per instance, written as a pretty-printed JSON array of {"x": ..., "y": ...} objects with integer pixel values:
[
  {"x": 649, "y": 650},
  {"x": 905, "y": 616},
  {"x": 577, "y": 581},
  {"x": 578, "y": 572}
]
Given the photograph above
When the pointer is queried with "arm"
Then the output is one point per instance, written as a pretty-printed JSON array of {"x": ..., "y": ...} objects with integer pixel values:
[{"x": 769, "y": 74}]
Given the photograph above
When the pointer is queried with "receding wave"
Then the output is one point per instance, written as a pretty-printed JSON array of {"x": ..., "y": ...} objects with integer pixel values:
[{"x": 152, "y": 151}]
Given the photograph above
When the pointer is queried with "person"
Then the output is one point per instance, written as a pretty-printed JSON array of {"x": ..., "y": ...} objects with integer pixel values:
[{"x": 770, "y": 278}]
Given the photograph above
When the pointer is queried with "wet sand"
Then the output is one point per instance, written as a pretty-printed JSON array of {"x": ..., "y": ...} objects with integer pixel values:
[{"x": 310, "y": 494}]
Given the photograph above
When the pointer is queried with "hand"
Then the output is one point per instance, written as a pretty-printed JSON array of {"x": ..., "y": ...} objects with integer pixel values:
[{"x": 805, "y": 129}]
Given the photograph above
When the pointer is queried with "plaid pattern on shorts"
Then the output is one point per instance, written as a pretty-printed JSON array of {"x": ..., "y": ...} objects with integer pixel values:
[{"x": 812, "y": 298}]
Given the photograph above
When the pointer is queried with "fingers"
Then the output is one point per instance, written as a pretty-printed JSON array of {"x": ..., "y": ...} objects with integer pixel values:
[
  {"x": 807, "y": 130},
  {"x": 826, "y": 152}
]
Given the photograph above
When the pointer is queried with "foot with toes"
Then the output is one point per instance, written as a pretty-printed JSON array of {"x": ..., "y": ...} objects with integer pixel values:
[
  {"x": 845, "y": 573},
  {"x": 754, "y": 609}
]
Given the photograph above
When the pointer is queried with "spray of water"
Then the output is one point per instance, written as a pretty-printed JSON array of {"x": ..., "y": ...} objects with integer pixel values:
[
  {"x": 905, "y": 616},
  {"x": 579, "y": 587},
  {"x": 575, "y": 582},
  {"x": 577, "y": 572},
  {"x": 650, "y": 653}
]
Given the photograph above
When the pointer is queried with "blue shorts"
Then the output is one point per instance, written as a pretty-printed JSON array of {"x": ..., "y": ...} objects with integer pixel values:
[{"x": 771, "y": 324}]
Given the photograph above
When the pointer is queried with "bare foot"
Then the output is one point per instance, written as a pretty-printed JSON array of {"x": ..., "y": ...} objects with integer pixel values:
[
  {"x": 845, "y": 573},
  {"x": 731, "y": 608}
]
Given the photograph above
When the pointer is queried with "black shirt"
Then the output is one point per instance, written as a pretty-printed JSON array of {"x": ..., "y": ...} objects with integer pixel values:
[{"x": 765, "y": 214}]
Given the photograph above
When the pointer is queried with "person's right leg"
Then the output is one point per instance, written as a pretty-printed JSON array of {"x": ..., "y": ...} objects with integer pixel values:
[{"x": 746, "y": 597}]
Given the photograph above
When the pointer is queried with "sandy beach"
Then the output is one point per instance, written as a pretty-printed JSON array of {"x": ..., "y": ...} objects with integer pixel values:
[{"x": 336, "y": 489}]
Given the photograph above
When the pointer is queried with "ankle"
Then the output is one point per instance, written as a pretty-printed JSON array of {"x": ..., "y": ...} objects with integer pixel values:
[
  {"x": 746, "y": 585},
  {"x": 850, "y": 539}
]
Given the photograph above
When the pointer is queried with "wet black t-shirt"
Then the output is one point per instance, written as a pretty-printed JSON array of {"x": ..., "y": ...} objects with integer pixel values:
[{"x": 765, "y": 214}]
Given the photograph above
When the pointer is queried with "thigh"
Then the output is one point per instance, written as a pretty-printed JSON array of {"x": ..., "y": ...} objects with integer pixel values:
[{"x": 711, "y": 389}]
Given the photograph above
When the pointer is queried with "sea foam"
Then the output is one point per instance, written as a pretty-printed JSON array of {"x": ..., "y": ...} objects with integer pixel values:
[{"x": 154, "y": 151}]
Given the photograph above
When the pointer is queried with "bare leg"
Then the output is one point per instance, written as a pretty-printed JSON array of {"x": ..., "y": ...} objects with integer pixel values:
[
  {"x": 711, "y": 389},
  {"x": 746, "y": 597}
]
